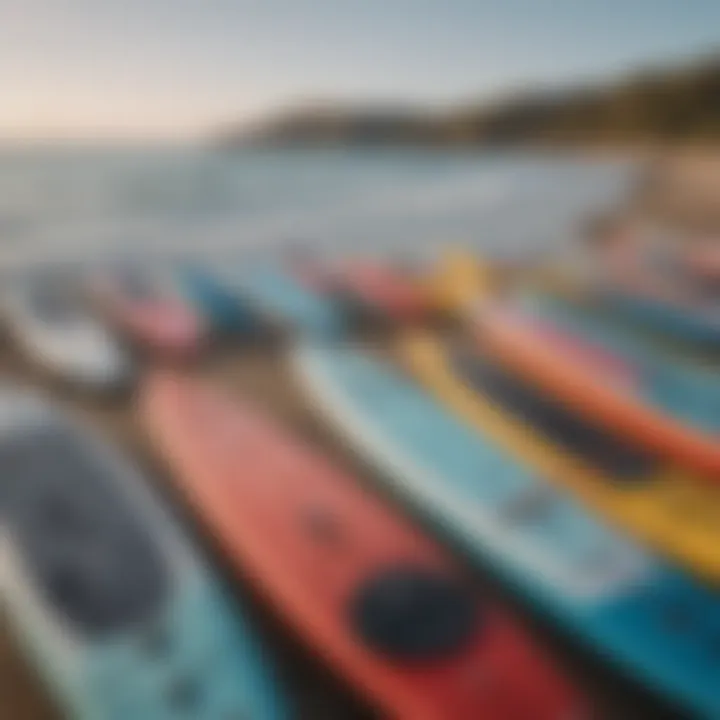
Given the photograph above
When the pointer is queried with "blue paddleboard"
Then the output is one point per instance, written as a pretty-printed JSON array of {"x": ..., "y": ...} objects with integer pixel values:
[
  {"x": 286, "y": 302},
  {"x": 105, "y": 594},
  {"x": 699, "y": 326},
  {"x": 686, "y": 390},
  {"x": 222, "y": 307}
]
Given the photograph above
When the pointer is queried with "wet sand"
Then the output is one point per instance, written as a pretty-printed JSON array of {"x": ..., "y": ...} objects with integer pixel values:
[{"x": 261, "y": 373}]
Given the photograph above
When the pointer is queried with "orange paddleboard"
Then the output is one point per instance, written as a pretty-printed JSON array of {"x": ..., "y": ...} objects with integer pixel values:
[
  {"x": 380, "y": 601},
  {"x": 525, "y": 348}
]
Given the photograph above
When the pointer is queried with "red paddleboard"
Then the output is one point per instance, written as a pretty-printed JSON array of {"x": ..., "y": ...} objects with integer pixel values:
[
  {"x": 383, "y": 289},
  {"x": 381, "y": 602},
  {"x": 153, "y": 317},
  {"x": 374, "y": 286}
]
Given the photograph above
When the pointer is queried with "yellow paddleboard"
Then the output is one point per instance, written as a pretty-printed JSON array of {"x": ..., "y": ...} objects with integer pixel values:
[
  {"x": 458, "y": 280},
  {"x": 669, "y": 509}
]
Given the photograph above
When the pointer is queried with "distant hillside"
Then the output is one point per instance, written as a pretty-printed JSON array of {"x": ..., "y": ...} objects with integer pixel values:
[
  {"x": 674, "y": 105},
  {"x": 667, "y": 105},
  {"x": 331, "y": 125}
]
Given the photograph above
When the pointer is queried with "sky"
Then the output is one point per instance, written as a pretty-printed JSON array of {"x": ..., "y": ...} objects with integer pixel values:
[{"x": 179, "y": 68}]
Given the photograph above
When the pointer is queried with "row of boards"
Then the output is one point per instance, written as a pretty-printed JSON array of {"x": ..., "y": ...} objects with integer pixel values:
[
  {"x": 666, "y": 408},
  {"x": 127, "y": 621},
  {"x": 77, "y": 323},
  {"x": 80, "y": 327},
  {"x": 170, "y": 310},
  {"x": 398, "y": 624}
]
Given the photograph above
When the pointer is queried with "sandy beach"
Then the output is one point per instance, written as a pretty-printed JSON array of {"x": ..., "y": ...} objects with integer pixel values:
[{"x": 682, "y": 188}]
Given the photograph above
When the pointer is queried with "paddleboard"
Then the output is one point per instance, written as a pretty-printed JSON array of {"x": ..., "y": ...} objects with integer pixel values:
[
  {"x": 383, "y": 604},
  {"x": 105, "y": 593},
  {"x": 649, "y": 620},
  {"x": 692, "y": 323},
  {"x": 667, "y": 304},
  {"x": 284, "y": 301},
  {"x": 379, "y": 292},
  {"x": 682, "y": 385},
  {"x": 513, "y": 339},
  {"x": 559, "y": 288},
  {"x": 664, "y": 506},
  {"x": 222, "y": 309},
  {"x": 458, "y": 279},
  {"x": 146, "y": 307},
  {"x": 53, "y": 325}
]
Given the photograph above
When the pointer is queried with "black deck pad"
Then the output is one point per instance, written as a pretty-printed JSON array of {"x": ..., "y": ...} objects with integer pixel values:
[
  {"x": 85, "y": 547},
  {"x": 602, "y": 449},
  {"x": 412, "y": 613}
]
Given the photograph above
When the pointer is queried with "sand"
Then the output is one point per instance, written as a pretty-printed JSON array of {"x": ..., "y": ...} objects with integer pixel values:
[
  {"x": 681, "y": 189},
  {"x": 261, "y": 373}
]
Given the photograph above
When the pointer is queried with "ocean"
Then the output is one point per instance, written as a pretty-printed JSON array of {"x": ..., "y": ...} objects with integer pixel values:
[{"x": 70, "y": 203}]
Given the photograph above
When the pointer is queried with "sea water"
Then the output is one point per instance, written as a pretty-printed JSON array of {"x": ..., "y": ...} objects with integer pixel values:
[{"x": 70, "y": 202}]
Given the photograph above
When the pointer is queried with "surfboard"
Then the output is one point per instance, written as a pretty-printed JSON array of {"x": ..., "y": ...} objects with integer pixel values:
[
  {"x": 651, "y": 621},
  {"x": 655, "y": 292},
  {"x": 224, "y": 311},
  {"x": 377, "y": 291},
  {"x": 376, "y": 598},
  {"x": 568, "y": 295},
  {"x": 458, "y": 279},
  {"x": 145, "y": 306},
  {"x": 677, "y": 514},
  {"x": 103, "y": 589},
  {"x": 512, "y": 338},
  {"x": 673, "y": 317},
  {"x": 284, "y": 301},
  {"x": 684, "y": 385},
  {"x": 51, "y": 322},
  {"x": 692, "y": 323}
]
